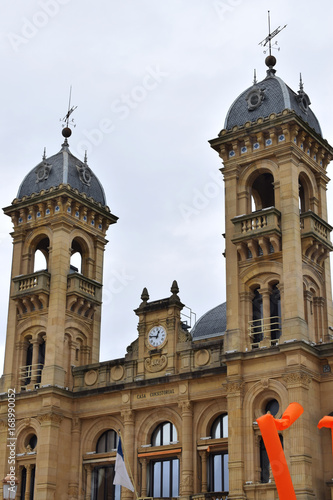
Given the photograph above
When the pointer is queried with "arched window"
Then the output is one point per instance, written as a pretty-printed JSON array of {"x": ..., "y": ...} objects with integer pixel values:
[
  {"x": 275, "y": 313},
  {"x": 165, "y": 433},
  {"x": 257, "y": 317},
  {"x": 102, "y": 487},
  {"x": 41, "y": 255},
  {"x": 220, "y": 427},
  {"x": 218, "y": 479},
  {"x": 107, "y": 442},
  {"x": 163, "y": 478},
  {"x": 263, "y": 192}
]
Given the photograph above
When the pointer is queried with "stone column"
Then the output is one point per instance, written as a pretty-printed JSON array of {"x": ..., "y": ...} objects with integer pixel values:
[
  {"x": 186, "y": 481},
  {"x": 265, "y": 293},
  {"x": 235, "y": 440},
  {"x": 73, "y": 487},
  {"x": 34, "y": 363},
  {"x": 204, "y": 482},
  {"x": 89, "y": 469},
  {"x": 47, "y": 457},
  {"x": 128, "y": 440},
  {"x": 299, "y": 436},
  {"x": 27, "y": 483},
  {"x": 144, "y": 463}
]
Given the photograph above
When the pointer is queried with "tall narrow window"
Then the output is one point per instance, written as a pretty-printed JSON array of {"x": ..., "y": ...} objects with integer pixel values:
[
  {"x": 164, "y": 473},
  {"x": 28, "y": 365},
  {"x": 102, "y": 487},
  {"x": 41, "y": 361},
  {"x": 102, "y": 484},
  {"x": 218, "y": 478},
  {"x": 257, "y": 317},
  {"x": 275, "y": 313}
]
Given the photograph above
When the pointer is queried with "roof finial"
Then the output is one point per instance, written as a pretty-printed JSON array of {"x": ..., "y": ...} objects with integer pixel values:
[
  {"x": 301, "y": 83},
  {"x": 270, "y": 60},
  {"x": 85, "y": 157},
  {"x": 44, "y": 154},
  {"x": 254, "y": 77},
  {"x": 66, "y": 131}
]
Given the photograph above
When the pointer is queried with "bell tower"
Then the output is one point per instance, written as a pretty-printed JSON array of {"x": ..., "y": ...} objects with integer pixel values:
[
  {"x": 277, "y": 235},
  {"x": 55, "y": 311}
]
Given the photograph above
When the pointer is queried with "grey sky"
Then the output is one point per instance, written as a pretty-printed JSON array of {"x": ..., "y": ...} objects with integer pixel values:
[{"x": 153, "y": 81}]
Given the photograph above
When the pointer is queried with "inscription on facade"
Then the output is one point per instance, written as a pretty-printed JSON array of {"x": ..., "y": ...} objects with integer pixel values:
[{"x": 155, "y": 394}]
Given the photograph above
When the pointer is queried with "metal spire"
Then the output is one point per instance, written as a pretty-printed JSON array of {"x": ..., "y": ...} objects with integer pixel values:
[{"x": 268, "y": 39}]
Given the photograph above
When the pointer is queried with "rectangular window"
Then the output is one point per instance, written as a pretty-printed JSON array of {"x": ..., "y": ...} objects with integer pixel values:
[
  {"x": 164, "y": 478},
  {"x": 219, "y": 473},
  {"x": 102, "y": 486}
]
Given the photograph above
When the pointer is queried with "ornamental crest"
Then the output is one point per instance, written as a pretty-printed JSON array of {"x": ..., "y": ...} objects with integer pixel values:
[
  {"x": 156, "y": 363},
  {"x": 42, "y": 171},
  {"x": 85, "y": 173}
]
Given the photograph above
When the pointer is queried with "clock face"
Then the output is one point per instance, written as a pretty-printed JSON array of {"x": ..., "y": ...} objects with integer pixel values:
[{"x": 156, "y": 336}]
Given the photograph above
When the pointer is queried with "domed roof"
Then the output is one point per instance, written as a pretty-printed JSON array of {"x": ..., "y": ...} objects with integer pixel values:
[
  {"x": 271, "y": 95},
  {"x": 212, "y": 324},
  {"x": 62, "y": 168}
]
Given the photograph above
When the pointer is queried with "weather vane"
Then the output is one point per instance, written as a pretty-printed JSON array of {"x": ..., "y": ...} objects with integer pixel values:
[
  {"x": 268, "y": 38},
  {"x": 66, "y": 132}
]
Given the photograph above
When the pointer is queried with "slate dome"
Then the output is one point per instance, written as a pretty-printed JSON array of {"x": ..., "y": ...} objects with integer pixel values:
[
  {"x": 211, "y": 324},
  {"x": 63, "y": 168},
  {"x": 271, "y": 95}
]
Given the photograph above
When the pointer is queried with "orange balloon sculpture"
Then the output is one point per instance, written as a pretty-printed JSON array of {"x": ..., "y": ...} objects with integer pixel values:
[
  {"x": 269, "y": 427},
  {"x": 327, "y": 421}
]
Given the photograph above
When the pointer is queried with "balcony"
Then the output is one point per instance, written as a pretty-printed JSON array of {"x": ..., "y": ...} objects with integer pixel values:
[
  {"x": 257, "y": 234},
  {"x": 31, "y": 291},
  {"x": 264, "y": 332},
  {"x": 83, "y": 295},
  {"x": 31, "y": 374},
  {"x": 315, "y": 234}
]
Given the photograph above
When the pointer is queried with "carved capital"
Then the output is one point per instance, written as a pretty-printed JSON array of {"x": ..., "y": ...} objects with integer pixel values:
[
  {"x": 128, "y": 416},
  {"x": 234, "y": 389},
  {"x": 297, "y": 380},
  {"x": 50, "y": 418}
]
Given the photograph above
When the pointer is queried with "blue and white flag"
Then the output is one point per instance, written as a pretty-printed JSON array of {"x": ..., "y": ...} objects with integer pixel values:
[{"x": 121, "y": 475}]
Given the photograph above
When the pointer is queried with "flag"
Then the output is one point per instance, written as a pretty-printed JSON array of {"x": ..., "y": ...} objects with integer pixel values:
[{"x": 121, "y": 475}]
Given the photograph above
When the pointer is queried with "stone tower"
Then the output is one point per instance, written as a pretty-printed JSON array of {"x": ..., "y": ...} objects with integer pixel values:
[
  {"x": 55, "y": 313},
  {"x": 278, "y": 281}
]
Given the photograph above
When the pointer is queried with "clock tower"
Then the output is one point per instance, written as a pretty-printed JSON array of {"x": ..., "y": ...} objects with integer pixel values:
[{"x": 160, "y": 330}]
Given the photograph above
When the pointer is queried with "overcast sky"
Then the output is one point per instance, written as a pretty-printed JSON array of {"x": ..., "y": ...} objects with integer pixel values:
[{"x": 153, "y": 81}]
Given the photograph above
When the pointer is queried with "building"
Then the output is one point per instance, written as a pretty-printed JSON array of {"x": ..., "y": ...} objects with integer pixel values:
[{"x": 185, "y": 402}]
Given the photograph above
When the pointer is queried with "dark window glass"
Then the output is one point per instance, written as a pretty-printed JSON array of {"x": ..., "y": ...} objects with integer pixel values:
[
  {"x": 102, "y": 484},
  {"x": 107, "y": 442},
  {"x": 275, "y": 313},
  {"x": 273, "y": 407},
  {"x": 257, "y": 316},
  {"x": 264, "y": 461}
]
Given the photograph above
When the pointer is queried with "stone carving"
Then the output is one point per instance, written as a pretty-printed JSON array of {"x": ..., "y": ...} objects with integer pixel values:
[
  {"x": 42, "y": 171},
  {"x": 117, "y": 372},
  {"x": 297, "y": 379},
  {"x": 202, "y": 357},
  {"x": 91, "y": 377},
  {"x": 156, "y": 363},
  {"x": 85, "y": 174}
]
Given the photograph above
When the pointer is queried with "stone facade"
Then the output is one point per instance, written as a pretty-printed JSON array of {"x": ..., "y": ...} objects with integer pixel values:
[{"x": 186, "y": 409}]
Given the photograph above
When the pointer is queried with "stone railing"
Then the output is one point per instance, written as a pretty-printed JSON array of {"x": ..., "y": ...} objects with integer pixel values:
[
  {"x": 313, "y": 225},
  {"x": 78, "y": 284},
  {"x": 31, "y": 283},
  {"x": 257, "y": 223}
]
